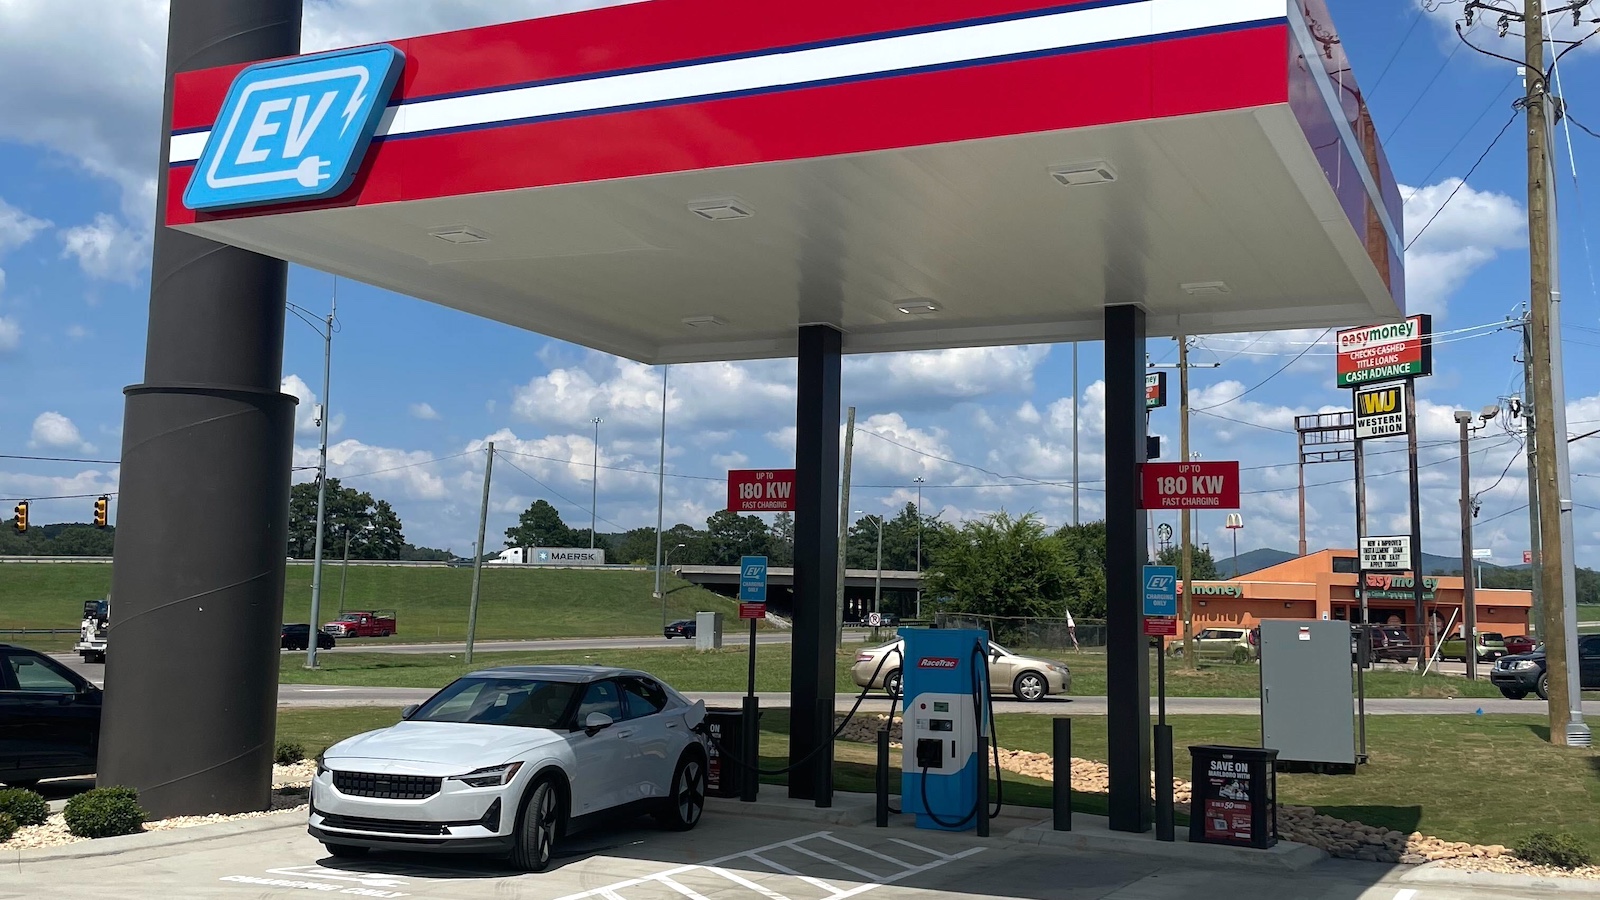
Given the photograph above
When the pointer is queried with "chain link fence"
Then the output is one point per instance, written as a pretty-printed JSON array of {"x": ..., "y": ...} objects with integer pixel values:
[{"x": 1032, "y": 633}]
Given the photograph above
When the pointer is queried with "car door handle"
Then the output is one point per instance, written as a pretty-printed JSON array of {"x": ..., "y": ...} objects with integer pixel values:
[{"x": 626, "y": 733}]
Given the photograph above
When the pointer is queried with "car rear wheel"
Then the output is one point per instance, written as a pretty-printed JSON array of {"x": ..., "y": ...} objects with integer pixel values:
[
  {"x": 1030, "y": 686},
  {"x": 1241, "y": 655},
  {"x": 345, "y": 851},
  {"x": 891, "y": 683},
  {"x": 1513, "y": 693},
  {"x": 687, "y": 800},
  {"x": 537, "y": 832},
  {"x": 1543, "y": 689}
]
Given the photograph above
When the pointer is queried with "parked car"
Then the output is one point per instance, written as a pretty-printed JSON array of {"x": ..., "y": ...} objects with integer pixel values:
[
  {"x": 512, "y": 760},
  {"x": 1026, "y": 677},
  {"x": 49, "y": 719},
  {"x": 1388, "y": 642},
  {"x": 362, "y": 623},
  {"x": 1238, "y": 644},
  {"x": 683, "y": 628},
  {"x": 1523, "y": 674},
  {"x": 1490, "y": 647},
  {"x": 298, "y": 637},
  {"x": 1519, "y": 644}
]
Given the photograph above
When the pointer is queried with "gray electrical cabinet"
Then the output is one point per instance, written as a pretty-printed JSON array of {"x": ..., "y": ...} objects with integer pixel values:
[{"x": 1307, "y": 695}]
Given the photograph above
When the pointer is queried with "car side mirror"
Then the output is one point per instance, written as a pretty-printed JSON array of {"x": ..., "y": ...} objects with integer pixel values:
[
  {"x": 410, "y": 711},
  {"x": 596, "y": 723}
]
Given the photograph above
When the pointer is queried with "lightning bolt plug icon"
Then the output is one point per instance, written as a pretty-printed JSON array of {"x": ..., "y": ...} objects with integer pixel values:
[{"x": 350, "y": 110}]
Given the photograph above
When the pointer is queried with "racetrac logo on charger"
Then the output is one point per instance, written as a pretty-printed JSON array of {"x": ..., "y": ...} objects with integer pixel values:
[{"x": 294, "y": 129}]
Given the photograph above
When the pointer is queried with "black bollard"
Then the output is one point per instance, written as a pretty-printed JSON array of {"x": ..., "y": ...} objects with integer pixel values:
[{"x": 1061, "y": 795}]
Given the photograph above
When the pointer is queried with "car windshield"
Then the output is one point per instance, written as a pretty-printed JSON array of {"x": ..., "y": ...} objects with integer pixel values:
[
  {"x": 1491, "y": 636},
  {"x": 519, "y": 702},
  {"x": 349, "y": 617}
]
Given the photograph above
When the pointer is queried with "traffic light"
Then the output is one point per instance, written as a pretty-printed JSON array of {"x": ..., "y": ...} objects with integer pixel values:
[
  {"x": 100, "y": 509},
  {"x": 21, "y": 513}
]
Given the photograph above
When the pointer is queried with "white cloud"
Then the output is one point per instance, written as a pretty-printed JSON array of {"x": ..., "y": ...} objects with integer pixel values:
[
  {"x": 10, "y": 334},
  {"x": 387, "y": 472},
  {"x": 107, "y": 249},
  {"x": 305, "y": 413},
  {"x": 937, "y": 377},
  {"x": 54, "y": 431},
  {"x": 424, "y": 411},
  {"x": 629, "y": 399},
  {"x": 1467, "y": 235},
  {"x": 17, "y": 227}
]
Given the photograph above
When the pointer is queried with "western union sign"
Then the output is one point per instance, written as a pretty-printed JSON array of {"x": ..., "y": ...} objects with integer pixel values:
[{"x": 1380, "y": 411}]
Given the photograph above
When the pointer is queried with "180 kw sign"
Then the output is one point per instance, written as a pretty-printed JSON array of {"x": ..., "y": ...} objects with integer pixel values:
[
  {"x": 761, "y": 490},
  {"x": 1193, "y": 485}
]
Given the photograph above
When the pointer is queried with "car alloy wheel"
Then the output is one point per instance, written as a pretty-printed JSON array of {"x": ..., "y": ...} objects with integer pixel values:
[
  {"x": 1544, "y": 686},
  {"x": 1030, "y": 686},
  {"x": 891, "y": 683},
  {"x": 687, "y": 802},
  {"x": 536, "y": 833}
]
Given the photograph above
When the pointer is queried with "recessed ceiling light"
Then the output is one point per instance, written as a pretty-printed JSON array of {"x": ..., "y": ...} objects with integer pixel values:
[
  {"x": 460, "y": 235},
  {"x": 1206, "y": 288},
  {"x": 702, "y": 321},
  {"x": 721, "y": 210},
  {"x": 1079, "y": 174},
  {"x": 918, "y": 307}
]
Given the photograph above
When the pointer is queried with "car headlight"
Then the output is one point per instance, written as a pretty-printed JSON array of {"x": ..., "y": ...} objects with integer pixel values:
[
  {"x": 1524, "y": 664},
  {"x": 1061, "y": 669},
  {"x": 493, "y": 776},
  {"x": 321, "y": 765}
]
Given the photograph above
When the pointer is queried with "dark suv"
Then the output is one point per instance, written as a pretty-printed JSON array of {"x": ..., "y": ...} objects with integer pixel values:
[
  {"x": 1522, "y": 674},
  {"x": 49, "y": 719},
  {"x": 1388, "y": 642},
  {"x": 298, "y": 637}
]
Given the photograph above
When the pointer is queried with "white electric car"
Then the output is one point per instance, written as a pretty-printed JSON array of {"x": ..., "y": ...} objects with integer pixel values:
[{"x": 509, "y": 760}]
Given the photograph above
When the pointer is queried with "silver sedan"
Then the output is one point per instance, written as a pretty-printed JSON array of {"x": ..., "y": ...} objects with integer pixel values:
[{"x": 1027, "y": 677}]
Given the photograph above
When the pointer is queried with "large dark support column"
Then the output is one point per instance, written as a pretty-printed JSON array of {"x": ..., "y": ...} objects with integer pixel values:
[
  {"x": 816, "y": 564},
  {"x": 202, "y": 515},
  {"x": 1127, "y": 654}
]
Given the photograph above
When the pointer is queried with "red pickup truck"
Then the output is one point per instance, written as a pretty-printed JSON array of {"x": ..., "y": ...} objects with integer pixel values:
[{"x": 362, "y": 624}]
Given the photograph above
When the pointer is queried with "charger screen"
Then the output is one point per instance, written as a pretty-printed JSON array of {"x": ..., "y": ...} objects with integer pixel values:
[{"x": 941, "y": 706}]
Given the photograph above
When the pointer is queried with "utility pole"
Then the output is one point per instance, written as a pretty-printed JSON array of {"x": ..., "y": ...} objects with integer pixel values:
[
  {"x": 1549, "y": 397},
  {"x": 1188, "y": 543},
  {"x": 594, "y": 483},
  {"x": 477, "y": 558},
  {"x": 1469, "y": 608},
  {"x": 661, "y": 490},
  {"x": 1417, "y": 586},
  {"x": 844, "y": 520},
  {"x": 1530, "y": 434},
  {"x": 322, "y": 476},
  {"x": 920, "y": 480},
  {"x": 1074, "y": 445}
]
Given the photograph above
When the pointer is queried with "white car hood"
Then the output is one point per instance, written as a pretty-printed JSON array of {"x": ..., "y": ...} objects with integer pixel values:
[{"x": 437, "y": 748}]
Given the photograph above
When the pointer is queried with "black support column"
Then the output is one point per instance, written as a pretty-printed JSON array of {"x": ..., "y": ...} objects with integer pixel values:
[
  {"x": 816, "y": 565},
  {"x": 1127, "y": 654},
  {"x": 202, "y": 516}
]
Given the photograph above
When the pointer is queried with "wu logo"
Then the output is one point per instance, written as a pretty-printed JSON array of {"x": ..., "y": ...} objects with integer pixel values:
[
  {"x": 294, "y": 129},
  {"x": 1378, "y": 402}
]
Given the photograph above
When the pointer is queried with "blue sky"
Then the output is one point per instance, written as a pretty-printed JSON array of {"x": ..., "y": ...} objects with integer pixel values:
[{"x": 421, "y": 386}]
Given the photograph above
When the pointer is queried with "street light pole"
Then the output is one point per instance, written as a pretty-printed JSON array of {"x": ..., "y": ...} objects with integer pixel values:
[
  {"x": 322, "y": 477},
  {"x": 920, "y": 480},
  {"x": 660, "y": 590},
  {"x": 594, "y": 482},
  {"x": 661, "y": 491}
]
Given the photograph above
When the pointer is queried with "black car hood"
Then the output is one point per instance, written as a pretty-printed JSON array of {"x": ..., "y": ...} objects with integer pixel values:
[{"x": 1517, "y": 657}]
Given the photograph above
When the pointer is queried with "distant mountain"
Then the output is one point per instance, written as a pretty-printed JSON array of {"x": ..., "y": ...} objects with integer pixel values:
[{"x": 1253, "y": 561}]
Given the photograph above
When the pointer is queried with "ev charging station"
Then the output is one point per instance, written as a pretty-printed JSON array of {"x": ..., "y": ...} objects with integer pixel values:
[{"x": 946, "y": 689}]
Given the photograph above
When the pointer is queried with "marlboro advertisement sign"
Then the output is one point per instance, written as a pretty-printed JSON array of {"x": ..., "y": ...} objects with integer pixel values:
[{"x": 1386, "y": 352}]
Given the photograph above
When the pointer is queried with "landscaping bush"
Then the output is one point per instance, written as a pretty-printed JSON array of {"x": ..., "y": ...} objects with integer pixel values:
[
  {"x": 288, "y": 753},
  {"x": 1544, "y": 848},
  {"x": 23, "y": 806},
  {"x": 104, "y": 812},
  {"x": 8, "y": 827}
]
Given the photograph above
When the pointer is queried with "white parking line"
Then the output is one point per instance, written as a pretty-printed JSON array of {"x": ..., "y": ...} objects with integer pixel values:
[
  {"x": 761, "y": 857},
  {"x": 1405, "y": 894}
]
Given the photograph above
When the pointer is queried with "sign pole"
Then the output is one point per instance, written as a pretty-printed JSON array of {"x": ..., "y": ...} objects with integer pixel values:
[
  {"x": 752, "y": 606},
  {"x": 1416, "y": 512},
  {"x": 1364, "y": 654}
]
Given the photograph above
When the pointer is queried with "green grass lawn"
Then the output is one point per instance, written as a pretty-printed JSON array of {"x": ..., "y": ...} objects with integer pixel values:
[
  {"x": 1488, "y": 779},
  {"x": 515, "y": 603},
  {"x": 726, "y": 670},
  {"x": 1589, "y": 612}
]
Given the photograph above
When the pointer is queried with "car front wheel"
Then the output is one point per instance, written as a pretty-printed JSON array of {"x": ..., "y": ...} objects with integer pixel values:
[
  {"x": 1513, "y": 693},
  {"x": 537, "y": 832},
  {"x": 1030, "y": 686},
  {"x": 1543, "y": 689},
  {"x": 891, "y": 683},
  {"x": 687, "y": 801}
]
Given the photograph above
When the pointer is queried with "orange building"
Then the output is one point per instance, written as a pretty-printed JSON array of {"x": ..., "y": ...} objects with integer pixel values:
[{"x": 1323, "y": 586}]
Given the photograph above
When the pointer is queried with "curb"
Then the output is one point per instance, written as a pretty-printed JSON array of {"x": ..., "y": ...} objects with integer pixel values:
[
  {"x": 1286, "y": 856},
  {"x": 848, "y": 809},
  {"x": 152, "y": 840},
  {"x": 1434, "y": 874}
]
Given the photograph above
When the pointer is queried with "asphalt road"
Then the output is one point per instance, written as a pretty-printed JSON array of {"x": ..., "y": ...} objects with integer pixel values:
[{"x": 731, "y": 855}]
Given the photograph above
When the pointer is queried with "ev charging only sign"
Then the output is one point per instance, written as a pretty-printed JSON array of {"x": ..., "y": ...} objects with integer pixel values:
[{"x": 294, "y": 129}]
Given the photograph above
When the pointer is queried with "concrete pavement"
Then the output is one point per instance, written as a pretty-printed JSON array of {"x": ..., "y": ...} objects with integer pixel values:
[{"x": 732, "y": 855}]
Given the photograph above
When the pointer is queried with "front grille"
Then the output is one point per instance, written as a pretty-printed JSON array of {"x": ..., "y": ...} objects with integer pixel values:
[
  {"x": 385, "y": 787},
  {"x": 385, "y": 826}
]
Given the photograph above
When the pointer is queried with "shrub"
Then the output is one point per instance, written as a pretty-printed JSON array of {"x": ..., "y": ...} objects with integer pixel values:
[
  {"x": 1544, "y": 848},
  {"x": 23, "y": 806},
  {"x": 288, "y": 753},
  {"x": 8, "y": 827},
  {"x": 104, "y": 812}
]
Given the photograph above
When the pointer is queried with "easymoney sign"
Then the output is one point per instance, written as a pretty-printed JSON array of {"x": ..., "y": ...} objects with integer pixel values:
[{"x": 1385, "y": 352}]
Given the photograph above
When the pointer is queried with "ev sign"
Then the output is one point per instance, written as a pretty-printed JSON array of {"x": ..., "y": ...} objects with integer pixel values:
[
  {"x": 760, "y": 490},
  {"x": 753, "y": 579},
  {"x": 1160, "y": 590},
  {"x": 294, "y": 129}
]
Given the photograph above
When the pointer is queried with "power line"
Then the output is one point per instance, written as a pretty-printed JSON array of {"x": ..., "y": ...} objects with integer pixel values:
[
  {"x": 59, "y": 497},
  {"x": 1422, "y": 10},
  {"x": 64, "y": 459},
  {"x": 569, "y": 462},
  {"x": 562, "y": 498},
  {"x": 426, "y": 462},
  {"x": 1463, "y": 182},
  {"x": 1264, "y": 381},
  {"x": 1425, "y": 89}
]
